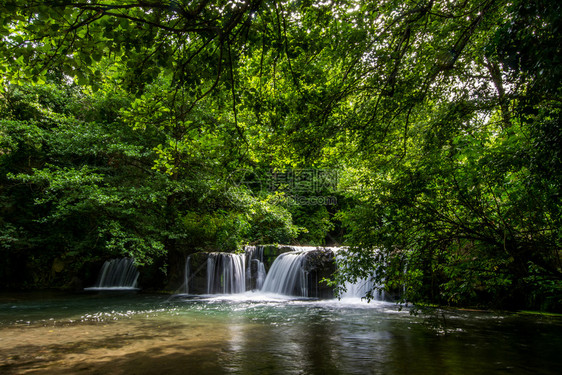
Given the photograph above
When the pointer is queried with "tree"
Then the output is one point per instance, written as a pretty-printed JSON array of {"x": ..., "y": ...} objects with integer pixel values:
[
  {"x": 441, "y": 116},
  {"x": 460, "y": 201}
]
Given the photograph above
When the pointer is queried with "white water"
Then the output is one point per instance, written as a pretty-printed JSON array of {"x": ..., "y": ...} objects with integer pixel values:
[
  {"x": 225, "y": 273},
  {"x": 361, "y": 288},
  {"x": 287, "y": 275},
  {"x": 228, "y": 273},
  {"x": 254, "y": 261},
  {"x": 262, "y": 274},
  {"x": 117, "y": 274}
]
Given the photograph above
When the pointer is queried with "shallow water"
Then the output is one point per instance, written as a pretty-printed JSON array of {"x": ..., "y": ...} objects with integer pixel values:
[{"x": 256, "y": 334}]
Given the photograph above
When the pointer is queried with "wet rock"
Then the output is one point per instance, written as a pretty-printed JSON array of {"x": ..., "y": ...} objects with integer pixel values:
[{"x": 319, "y": 265}]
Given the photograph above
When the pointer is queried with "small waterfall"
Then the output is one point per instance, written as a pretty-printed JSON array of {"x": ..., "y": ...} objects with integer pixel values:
[
  {"x": 255, "y": 267},
  {"x": 261, "y": 275},
  {"x": 117, "y": 274},
  {"x": 287, "y": 275},
  {"x": 295, "y": 271},
  {"x": 225, "y": 273},
  {"x": 361, "y": 288},
  {"x": 210, "y": 274}
]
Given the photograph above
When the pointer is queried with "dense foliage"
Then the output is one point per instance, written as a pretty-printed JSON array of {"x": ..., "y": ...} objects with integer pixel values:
[{"x": 425, "y": 135}]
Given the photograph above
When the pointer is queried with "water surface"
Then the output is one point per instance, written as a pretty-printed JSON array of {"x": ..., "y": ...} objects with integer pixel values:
[{"x": 255, "y": 334}]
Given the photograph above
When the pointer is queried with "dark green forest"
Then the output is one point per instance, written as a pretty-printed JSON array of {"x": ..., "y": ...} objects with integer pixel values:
[{"x": 423, "y": 135}]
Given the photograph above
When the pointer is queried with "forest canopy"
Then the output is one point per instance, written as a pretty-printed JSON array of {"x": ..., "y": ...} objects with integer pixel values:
[{"x": 424, "y": 136}]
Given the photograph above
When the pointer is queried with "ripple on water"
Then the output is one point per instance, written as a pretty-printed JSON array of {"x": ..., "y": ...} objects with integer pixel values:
[{"x": 253, "y": 334}]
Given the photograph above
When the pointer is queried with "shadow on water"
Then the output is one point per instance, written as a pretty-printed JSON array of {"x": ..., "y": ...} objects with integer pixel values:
[
  {"x": 154, "y": 361},
  {"x": 133, "y": 346}
]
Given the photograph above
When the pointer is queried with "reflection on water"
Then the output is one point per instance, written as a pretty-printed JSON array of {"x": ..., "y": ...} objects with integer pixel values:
[{"x": 251, "y": 334}]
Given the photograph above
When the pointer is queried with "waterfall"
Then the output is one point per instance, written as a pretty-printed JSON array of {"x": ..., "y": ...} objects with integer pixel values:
[
  {"x": 117, "y": 274},
  {"x": 255, "y": 267},
  {"x": 361, "y": 288},
  {"x": 226, "y": 273},
  {"x": 261, "y": 274},
  {"x": 295, "y": 271},
  {"x": 287, "y": 275}
]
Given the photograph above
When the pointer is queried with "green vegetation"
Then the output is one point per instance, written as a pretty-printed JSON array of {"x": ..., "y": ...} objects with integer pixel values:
[{"x": 424, "y": 135}]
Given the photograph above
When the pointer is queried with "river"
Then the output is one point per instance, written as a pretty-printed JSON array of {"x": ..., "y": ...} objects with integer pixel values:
[{"x": 252, "y": 333}]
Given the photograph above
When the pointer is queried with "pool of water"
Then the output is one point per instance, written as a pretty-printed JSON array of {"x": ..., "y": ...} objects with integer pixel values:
[{"x": 256, "y": 334}]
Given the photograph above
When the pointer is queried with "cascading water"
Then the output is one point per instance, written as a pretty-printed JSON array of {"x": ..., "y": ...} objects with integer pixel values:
[
  {"x": 117, "y": 274},
  {"x": 255, "y": 267},
  {"x": 287, "y": 276},
  {"x": 261, "y": 274},
  {"x": 297, "y": 271},
  {"x": 225, "y": 273},
  {"x": 362, "y": 287}
]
